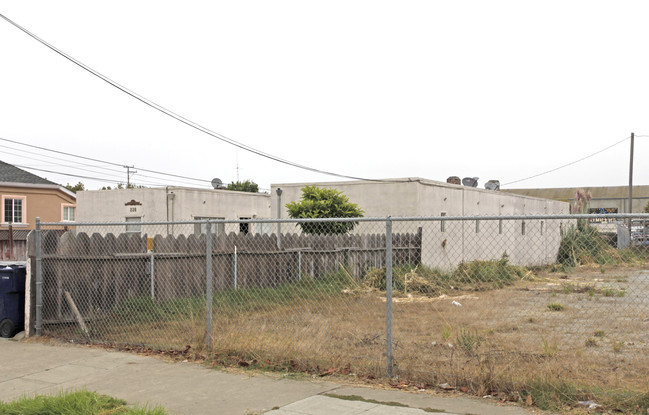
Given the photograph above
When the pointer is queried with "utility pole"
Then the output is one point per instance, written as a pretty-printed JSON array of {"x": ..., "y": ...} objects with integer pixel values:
[
  {"x": 238, "y": 168},
  {"x": 630, "y": 208},
  {"x": 128, "y": 175}
]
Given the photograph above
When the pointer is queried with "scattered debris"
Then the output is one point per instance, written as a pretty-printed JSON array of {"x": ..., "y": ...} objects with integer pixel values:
[
  {"x": 445, "y": 386},
  {"x": 589, "y": 404},
  {"x": 331, "y": 371},
  {"x": 455, "y": 303}
]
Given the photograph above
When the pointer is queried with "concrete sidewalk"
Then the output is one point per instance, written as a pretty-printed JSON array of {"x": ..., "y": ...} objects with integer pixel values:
[{"x": 188, "y": 388}]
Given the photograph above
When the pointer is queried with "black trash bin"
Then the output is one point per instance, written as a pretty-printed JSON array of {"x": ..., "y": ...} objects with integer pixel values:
[{"x": 12, "y": 299}]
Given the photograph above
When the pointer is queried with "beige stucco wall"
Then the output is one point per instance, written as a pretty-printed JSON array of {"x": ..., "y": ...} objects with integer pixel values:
[
  {"x": 172, "y": 204},
  {"x": 40, "y": 201},
  {"x": 460, "y": 241}
]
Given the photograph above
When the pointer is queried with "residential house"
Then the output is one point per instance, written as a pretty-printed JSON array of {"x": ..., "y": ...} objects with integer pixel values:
[{"x": 24, "y": 197}]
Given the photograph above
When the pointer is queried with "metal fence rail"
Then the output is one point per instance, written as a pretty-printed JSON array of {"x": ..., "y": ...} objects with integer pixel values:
[{"x": 443, "y": 299}]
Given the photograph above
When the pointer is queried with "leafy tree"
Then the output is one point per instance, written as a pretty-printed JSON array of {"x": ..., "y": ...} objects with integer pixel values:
[
  {"x": 324, "y": 203},
  {"x": 79, "y": 187},
  {"x": 247, "y": 186}
]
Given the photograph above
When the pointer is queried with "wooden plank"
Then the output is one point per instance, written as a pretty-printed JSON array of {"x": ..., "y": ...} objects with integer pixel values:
[{"x": 77, "y": 314}]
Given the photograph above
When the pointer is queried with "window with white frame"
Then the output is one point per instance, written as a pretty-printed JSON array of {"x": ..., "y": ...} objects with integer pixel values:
[
  {"x": 201, "y": 228},
  {"x": 13, "y": 209},
  {"x": 69, "y": 213},
  {"x": 134, "y": 225}
]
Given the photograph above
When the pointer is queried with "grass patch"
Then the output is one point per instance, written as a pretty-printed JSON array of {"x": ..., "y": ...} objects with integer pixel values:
[
  {"x": 468, "y": 276},
  {"x": 612, "y": 292},
  {"x": 557, "y": 394},
  {"x": 555, "y": 307},
  {"x": 469, "y": 341},
  {"x": 549, "y": 349},
  {"x": 79, "y": 402},
  {"x": 591, "y": 290},
  {"x": 231, "y": 301}
]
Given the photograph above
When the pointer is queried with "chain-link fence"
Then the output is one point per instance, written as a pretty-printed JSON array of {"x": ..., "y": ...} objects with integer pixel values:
[{"x": 480, "y": 302}]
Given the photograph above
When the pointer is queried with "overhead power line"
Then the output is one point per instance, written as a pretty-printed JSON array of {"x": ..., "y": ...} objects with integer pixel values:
[
  {"x": 101, "y": 179},
  {"x": 67, "y": 174},
  {"x": 161, "y": 181},
  {"x": 102, "y": 161},
  {"x": 568, "y": 164},
  {"x": 174, "y": 115}
]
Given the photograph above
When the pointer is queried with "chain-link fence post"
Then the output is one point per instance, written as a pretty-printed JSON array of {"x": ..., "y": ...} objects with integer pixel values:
[
  {"x": 388, "y": 292},
  {"x": 208, "y": 282},
  {"x": 39, "y": 277},
  {"x": 279, "y": 216}
]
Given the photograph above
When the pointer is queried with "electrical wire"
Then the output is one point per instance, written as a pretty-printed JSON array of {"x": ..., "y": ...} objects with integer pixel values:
[
  {"x": 101, "y": 161},
  {"x": 568, "y": 164},
  {"x": 175, "y": 116},
  {"x": 67, "y": 174},
  {"x": 161, "y": 181},
  {"x": 60, "y": 159},
  {"x": 101, "y": 179},
  {"x": 50, "y": 163}
]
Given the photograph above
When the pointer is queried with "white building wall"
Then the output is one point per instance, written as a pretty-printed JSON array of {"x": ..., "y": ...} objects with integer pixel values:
[
  {"x": 449, "y": 244},
  {"x": 172, "y": 204}
]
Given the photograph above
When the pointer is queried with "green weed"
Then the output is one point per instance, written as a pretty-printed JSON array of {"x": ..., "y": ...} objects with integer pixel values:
[
  {"x": 79, "y": 402},
  {"x": 612, "y": 292},
  {"x": 469, "y": 340},
  {"x": 549, "y": 349}
]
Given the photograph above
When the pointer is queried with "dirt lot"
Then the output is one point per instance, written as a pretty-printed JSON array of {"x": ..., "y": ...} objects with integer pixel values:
[{"x": 589, "y": 326}]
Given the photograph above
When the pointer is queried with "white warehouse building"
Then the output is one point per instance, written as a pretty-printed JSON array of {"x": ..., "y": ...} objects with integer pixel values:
[{"x": 447, "y": 243}]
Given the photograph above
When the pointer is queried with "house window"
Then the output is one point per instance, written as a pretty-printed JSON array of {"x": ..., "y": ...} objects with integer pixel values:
[
  {"x": 244, "y": 227},
  {"x": 134, "y": 225},
  {"x": 13, "y": 209},
  {"x": 201, "y": 228},
  {"x": 69, "y": 213}
]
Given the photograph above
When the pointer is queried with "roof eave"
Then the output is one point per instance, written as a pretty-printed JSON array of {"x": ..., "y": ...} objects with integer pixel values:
[{"x": 40, "y": 186}]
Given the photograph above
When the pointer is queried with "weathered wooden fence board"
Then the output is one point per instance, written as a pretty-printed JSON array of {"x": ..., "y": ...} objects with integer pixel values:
[{"x": 101, "y": 272}]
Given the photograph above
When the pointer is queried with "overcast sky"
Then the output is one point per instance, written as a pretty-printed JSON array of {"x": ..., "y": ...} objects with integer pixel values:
[{"x": 494, "y": 89}]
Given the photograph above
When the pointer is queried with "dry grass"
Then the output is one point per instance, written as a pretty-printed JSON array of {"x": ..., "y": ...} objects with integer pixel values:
[{"x": 500, "y": 340}]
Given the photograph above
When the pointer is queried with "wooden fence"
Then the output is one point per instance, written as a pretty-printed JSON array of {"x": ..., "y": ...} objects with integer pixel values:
[{"x": 100, "y": 272}]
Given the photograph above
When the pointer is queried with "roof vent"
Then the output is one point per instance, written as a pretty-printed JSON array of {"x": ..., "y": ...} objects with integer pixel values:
[
  {"x": 492, "y": 185},
  {"x": 470, "y": 181}
]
